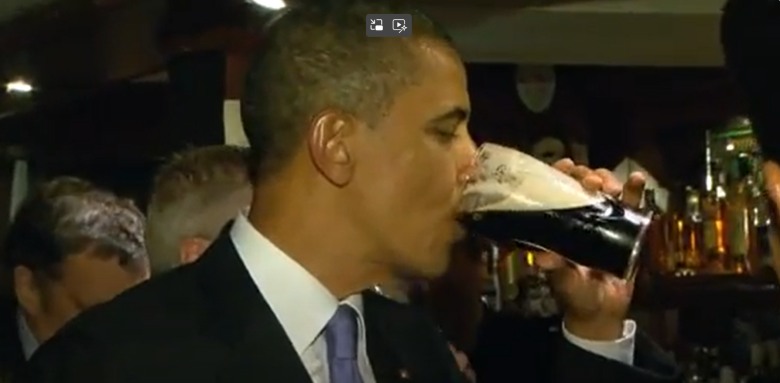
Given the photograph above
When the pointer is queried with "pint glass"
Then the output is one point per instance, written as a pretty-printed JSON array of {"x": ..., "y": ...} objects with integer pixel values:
[{"x": 517, "y": 198}]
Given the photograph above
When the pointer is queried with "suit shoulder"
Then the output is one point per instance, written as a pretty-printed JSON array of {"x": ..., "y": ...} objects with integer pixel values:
[{"x": 151, "y": 306}]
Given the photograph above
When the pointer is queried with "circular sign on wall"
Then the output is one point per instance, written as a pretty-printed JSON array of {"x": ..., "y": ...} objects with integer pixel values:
[
  {"x": 535, "y": 86},
  {"x": 549, "y": 150}
]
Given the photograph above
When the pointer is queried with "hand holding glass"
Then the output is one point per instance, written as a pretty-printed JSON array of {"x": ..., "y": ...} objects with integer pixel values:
[{"x": 517, "y": 198}]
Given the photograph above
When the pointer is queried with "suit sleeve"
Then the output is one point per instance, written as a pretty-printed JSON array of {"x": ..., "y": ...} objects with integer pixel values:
[
  {"x": 69, "y": 357},
  {"x": 651, "y": 365},
  {"x": 536, "y": 350}
]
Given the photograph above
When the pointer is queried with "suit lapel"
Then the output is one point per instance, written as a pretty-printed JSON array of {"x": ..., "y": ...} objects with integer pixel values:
[
  {"x": 259, "y": 350},
  {"x": 385, "y": 344}
]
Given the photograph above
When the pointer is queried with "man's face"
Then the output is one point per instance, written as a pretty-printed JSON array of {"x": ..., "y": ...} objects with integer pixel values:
[{"x": 411, "y": 167}]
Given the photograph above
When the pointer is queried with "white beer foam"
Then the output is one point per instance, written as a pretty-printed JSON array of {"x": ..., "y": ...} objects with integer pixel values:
[{"x": 514, "y": 181}]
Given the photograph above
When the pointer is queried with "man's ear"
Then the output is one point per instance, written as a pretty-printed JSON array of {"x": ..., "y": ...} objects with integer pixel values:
[
  {"x": 329, "y": 145},
  {"x": 27, "y": 290},
  {"x": 191, "y": 249}
]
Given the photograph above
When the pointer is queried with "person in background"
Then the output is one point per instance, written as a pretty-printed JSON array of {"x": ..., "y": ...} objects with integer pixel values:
[
  {"x": 194, "y": 195},
  {"x": 70, "y": 246},
  {"x": 750, "y": 37},
  {"x": 360, "y": 153},
  {"x": 532, "y": 344}
]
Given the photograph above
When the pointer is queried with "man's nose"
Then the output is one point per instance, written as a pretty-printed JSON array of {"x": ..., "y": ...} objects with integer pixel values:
[{"x": 468, "y": 155}]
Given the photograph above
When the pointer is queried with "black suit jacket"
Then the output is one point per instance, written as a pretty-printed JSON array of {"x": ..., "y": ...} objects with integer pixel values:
[
  {"x": 11, "y": 354},
  {"x": 207, "y": 322},
  {"x": 535, "y": 348}
]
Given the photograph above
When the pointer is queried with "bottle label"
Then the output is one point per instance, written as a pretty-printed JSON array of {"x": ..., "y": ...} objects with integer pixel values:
[
  {"x": 709, "y": 235},
  {"x": 738, "y": 232}
]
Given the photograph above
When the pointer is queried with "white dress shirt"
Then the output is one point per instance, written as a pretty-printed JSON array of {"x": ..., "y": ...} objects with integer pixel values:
[
  {"x": 26, "y": 337},
  {"x": 300, "y": 302},
  {"x": 621, "y": 350},
  {"x": 285, "y": 284}
]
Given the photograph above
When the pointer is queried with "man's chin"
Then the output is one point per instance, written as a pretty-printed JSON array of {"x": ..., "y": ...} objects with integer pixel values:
[
  {"x": 428, "y": 271},
  {"x": 438, "y": 269}
]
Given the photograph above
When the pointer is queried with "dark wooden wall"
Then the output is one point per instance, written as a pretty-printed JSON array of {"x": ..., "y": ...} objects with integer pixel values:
[
  {"x": 655, "y": 114},
  {"x": 121, "y": 132}
]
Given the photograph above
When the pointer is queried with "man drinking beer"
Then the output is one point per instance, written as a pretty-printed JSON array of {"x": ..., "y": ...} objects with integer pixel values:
[{"x": 360, "y": 151}]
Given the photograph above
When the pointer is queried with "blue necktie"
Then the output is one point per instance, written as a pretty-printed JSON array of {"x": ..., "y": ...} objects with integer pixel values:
[{"x": 341, "y": 336}]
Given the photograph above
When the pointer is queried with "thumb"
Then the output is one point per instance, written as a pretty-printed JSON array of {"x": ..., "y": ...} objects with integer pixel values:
[{"x": 549, "y": 261}]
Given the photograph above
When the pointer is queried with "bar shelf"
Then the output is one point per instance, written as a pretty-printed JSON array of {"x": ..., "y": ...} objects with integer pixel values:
[{"x": 707, "y": 291}]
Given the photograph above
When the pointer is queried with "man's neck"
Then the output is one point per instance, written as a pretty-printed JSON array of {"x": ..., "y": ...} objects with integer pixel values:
[{"x": 321, "y": 241}]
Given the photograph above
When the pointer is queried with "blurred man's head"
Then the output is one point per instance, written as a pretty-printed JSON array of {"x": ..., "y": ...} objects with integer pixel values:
[
  {"x": 361, "y": 139},
  {"x": 70, "y": 247},
  {"x": 194, "y": 195},
  {"x": 750, "y": 34}
]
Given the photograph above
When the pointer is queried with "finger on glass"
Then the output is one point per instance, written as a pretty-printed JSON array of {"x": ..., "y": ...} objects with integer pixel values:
[
  {"x": 565, "y": 165},
  {"x": 593, "y": 183},
  {"x": 580, "y": 171},
  {"x": 548, "y": 261},
  {"x": 611, "y": 185},
  {"x": 633, "y": 190}
]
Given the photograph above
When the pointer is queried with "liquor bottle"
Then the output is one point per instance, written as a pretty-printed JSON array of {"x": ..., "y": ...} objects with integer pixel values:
[
  {"x": 757, "y": 227},
  {"x": 738, "y": 220},
  {"x": 713, "y": 206},
  {"x": 692, "y": 229},
  {"x": 761, "y": 217},
  {"x": 676, "y": 258},
  {"x": 658, "y": 237}
]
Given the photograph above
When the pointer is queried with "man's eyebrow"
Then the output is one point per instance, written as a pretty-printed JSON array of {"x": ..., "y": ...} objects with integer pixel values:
[{"x": 454, "y": 114}]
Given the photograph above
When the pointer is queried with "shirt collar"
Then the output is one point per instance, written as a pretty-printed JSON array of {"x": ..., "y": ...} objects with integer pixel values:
[
  {"x": 300, "y": 302},
  {"x": 26, "y": 337}
]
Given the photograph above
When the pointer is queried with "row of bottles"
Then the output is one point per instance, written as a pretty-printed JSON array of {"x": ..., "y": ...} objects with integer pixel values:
[
  {"x": 707, "y": 365},
  {"x": 721, "y": 228}
]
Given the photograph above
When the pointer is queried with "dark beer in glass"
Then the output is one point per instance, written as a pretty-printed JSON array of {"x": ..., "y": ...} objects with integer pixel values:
[{"x": 517, "y": 198}]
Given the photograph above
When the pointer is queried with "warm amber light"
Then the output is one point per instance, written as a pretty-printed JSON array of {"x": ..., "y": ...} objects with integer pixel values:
[{"x": 719, "y": 229}]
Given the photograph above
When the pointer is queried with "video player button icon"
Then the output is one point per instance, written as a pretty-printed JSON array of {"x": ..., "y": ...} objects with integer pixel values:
[
  {"x": 388, "y": 25},
  {"x": 376, "y": 25},
  {"x": 399, "y": 25}
]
